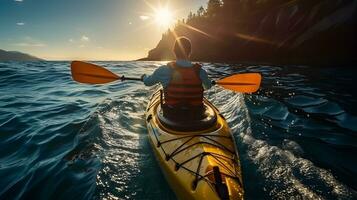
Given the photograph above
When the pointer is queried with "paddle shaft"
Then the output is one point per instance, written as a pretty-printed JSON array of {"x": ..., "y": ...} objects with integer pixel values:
[{"x": 123, "y": 78}]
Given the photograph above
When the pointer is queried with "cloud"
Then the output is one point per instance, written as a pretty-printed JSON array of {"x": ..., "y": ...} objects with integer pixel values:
[
  {"x": 71, "y": 40},
  {"x": 25, "y": 44},
  {"x": 144, "y": 17},
  {"x": 28, "y": 41},
  {"x": 18, "y": 0},
  {"x": 84, "y": 38},
  {"x": 20, "y": 23}
]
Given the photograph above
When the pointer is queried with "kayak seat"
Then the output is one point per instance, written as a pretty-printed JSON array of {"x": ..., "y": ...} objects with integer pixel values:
[{"x": 187, "y": 119}]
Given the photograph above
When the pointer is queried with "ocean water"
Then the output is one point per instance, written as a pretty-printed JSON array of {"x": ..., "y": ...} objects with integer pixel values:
[{"x": 297, "y": 137}]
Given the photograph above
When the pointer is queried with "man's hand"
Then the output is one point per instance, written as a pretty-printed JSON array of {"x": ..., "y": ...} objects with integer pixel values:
[{"x": 142, "y": 77}]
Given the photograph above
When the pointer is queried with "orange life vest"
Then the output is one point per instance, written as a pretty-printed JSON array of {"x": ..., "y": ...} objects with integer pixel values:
[{"x": 185, "y": 87}]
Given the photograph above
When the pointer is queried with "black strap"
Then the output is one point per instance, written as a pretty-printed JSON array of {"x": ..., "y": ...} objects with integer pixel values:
[{"x": 221, "y": 188}]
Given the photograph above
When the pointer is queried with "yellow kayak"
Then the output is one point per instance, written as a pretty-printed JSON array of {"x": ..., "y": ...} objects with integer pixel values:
[{"x": 201, "y": 163}]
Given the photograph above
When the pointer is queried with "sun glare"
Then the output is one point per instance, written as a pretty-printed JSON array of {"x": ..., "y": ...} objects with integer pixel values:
[{"x": 163, "y": 17}]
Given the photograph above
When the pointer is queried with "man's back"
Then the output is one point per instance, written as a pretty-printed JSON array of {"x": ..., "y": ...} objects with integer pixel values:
[{"x": 163, "y": 75}]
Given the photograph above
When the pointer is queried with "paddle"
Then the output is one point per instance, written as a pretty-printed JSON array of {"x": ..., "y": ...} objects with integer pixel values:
[
  {"x": 245, "y": 83},
  {"x": 93, "y": 74}
]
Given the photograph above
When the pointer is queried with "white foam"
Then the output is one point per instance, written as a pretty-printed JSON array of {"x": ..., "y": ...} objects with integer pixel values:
[{"x": 285, "y": 173}]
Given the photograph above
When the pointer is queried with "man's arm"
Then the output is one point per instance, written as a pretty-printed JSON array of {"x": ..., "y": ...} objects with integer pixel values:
[
  {"x": 160, "y": 75},
  {"x": 206, "y": 82}
]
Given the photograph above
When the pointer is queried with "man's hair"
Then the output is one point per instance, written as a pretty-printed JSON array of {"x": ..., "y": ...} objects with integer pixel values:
[{"x": 182, "y": 47}]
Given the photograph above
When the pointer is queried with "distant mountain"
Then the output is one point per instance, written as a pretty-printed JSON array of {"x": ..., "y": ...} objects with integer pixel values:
[
  {"x": 268, "y": 31},
  {"x": 16, "y": 56}
]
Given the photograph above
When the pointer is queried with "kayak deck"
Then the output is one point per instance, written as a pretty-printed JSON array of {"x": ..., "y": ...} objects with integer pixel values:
[{"x": 199, "y": 164}]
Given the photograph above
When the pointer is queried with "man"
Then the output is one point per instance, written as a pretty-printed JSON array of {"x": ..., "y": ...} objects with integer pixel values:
[{"x": 183, "y": 83}]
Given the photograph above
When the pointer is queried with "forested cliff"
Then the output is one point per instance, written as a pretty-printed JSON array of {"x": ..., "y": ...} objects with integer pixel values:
[{"x": 268, "y": 31}]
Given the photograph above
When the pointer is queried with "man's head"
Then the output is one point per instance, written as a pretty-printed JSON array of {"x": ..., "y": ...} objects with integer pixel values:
[{"x": 182, "y": 48}]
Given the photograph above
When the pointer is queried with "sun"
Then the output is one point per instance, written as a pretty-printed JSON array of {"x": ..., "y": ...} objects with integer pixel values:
[{"x": 163, "y": 17}]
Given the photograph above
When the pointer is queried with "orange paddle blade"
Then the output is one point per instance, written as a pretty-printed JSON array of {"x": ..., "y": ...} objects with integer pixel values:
[
  {"x": 93, "y": 74},
  {"x": 245, "y": 83}
]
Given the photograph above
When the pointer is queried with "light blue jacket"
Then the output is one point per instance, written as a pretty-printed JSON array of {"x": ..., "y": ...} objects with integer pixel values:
[{"x": 163, "y": 75}]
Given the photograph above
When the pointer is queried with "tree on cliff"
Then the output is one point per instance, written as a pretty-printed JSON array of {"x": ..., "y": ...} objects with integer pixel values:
[
  {"x": 201, "y": 12},
  {"x": 213, "y": 7}
]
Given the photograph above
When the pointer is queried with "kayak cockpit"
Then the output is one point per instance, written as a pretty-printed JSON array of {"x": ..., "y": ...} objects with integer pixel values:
[{"x": 187, "y": 119}]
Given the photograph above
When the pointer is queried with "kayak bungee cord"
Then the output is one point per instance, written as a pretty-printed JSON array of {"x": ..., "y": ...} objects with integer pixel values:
[
  {"x": 201, "y": 155},
  {"x": 209, "y": 141}
]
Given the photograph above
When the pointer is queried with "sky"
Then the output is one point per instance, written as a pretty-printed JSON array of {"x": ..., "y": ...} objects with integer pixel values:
[{"x": 88, "y": 29}]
